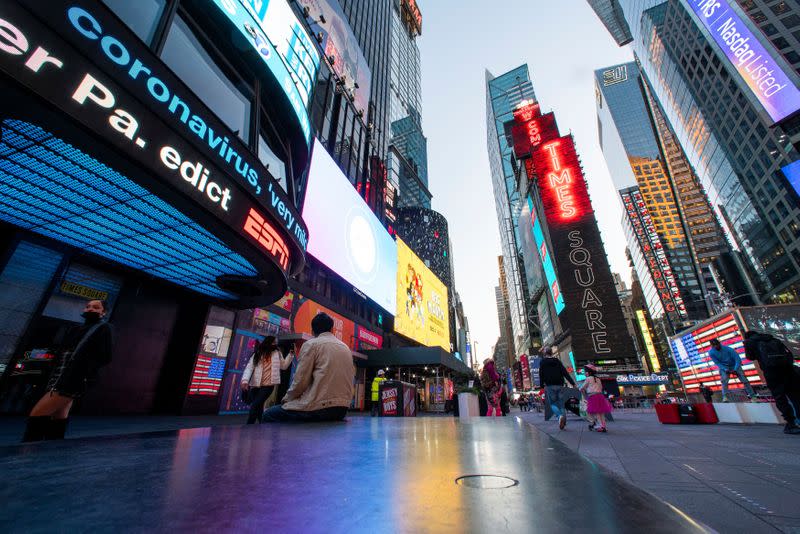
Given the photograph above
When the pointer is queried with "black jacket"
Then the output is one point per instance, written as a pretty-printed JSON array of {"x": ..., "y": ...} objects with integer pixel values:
[{"x": 553, "y": 373}]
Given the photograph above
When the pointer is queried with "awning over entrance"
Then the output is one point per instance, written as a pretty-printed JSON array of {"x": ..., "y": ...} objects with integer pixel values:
[{"x": 408, "y": 356}]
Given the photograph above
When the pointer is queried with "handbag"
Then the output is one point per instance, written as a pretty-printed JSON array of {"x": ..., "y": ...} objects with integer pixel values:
[{"x": 246, "y": 395}]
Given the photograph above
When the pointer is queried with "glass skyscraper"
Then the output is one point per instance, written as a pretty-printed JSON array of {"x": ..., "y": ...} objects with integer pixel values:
[
  {"x": 730, "y": 140},
  {"x": 408, "y": 149},
  {"x": 633, "y": 141},
  {"x": 503, "y": 94}
]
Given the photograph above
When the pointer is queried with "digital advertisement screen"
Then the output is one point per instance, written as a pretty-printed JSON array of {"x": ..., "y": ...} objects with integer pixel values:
[
  {"x": 422, "y": 312},
  {"x": 344, "y": 233},
  {"x": 343, "y": 328},
  {"x": 782, "y": 321},
  {"x": 755, "y": 63},
  {"x": 690, "y": 351},
  {"x": 792, "y": 173}
]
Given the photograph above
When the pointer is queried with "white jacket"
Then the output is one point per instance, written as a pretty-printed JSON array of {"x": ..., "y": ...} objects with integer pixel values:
[{"x": 252, "y": 373}]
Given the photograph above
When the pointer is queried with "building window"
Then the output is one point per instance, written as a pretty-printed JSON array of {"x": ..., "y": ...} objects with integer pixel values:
[
  {"x": 195, "y": 66},
  {"x": 275, "y": 166},
  {"x": 141, "y": 16}
]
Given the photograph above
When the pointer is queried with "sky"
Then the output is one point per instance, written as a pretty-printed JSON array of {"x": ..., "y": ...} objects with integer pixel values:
[{"x": 563, "y": 43}]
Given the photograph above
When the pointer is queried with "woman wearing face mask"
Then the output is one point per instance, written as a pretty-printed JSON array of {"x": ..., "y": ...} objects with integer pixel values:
[{"x": 85, "y": 349}]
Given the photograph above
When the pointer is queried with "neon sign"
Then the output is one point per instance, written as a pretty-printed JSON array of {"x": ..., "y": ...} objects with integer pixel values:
[
  {"x": 653, "y": 251},
  {"x": 547, "y": 261},
  {"x": 266, "y": 236},
  {"x": 584, "y": 284}
]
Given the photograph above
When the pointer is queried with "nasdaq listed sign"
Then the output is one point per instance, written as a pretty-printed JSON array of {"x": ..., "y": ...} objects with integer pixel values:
[
  {"x": 755, "y": 63},
  {"x": 280, "y": 40}
]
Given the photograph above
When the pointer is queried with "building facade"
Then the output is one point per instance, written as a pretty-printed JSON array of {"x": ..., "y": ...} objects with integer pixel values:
[
  {"x": 503, "y": 94},
  {"x": 143, "y": 163},
  {"x": 650, "y": 199},
  {"x": 737, "y": 135}
]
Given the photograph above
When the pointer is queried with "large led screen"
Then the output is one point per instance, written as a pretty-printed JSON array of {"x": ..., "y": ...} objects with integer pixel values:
[
  {"x": 690, "y": 351},
  {"x": 422, "y": 312},
  {"x": 344, "y": 233}
]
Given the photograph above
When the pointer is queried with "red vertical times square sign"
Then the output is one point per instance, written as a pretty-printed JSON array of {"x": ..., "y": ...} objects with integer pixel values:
[{"x": 592, "y": 309}]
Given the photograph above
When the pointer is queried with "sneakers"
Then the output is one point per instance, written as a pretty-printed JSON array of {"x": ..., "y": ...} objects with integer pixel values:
[
  {"x": 602, "y": 429},
  {"x": 591, "y": 426},
  {"x": 791, "y": 429},
  {"x": 562, "y": 422}
]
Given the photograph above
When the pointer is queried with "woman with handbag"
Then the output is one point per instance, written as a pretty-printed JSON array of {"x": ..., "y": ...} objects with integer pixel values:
[
  {"x": 262, "y": 374},
  {"x": 85, "y": 349}
]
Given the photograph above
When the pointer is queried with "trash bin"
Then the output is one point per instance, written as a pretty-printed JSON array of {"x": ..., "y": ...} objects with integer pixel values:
[
  {"x": 687, "y": 414},
  {"x": 705, "y": 413},
  {"x": 668, "y": 414}
]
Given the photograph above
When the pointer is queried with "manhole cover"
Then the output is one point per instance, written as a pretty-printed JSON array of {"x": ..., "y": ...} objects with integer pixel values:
[{"x": 486, "y": 481}]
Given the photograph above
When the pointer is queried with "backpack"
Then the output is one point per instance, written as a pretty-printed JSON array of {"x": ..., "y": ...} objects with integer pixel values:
[
  {"x": 774, "y": 354},
  {"x": 486, "y": 380}
]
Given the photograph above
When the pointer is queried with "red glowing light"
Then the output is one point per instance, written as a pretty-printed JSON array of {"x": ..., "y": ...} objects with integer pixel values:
[{"x": 265, "y": 235}]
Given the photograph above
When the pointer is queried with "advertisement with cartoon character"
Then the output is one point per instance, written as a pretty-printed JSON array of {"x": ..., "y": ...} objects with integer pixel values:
[{"x": 422, "y": 312}]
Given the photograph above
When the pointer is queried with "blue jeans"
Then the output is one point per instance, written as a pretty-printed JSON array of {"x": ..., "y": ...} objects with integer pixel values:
[
  {"x": 725, "y": 375},
  {"x": 554, "y": 398},
  {"x": 276, "y": 414}
]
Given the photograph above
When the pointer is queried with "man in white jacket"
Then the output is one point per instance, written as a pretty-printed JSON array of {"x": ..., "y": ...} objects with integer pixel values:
[{"x": 322, "y": 387}]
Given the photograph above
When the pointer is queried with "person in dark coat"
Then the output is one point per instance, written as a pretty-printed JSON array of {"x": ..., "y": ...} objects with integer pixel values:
[
  {"x": 84, "y": 351},
  {"x": 552, "y": 377},
  {"x": 780, "y": 373},
  {"x": 505, "y": 405}
]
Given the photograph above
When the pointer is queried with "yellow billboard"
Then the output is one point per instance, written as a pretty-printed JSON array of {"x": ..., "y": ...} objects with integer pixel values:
[{"x": 422, "y": 312}]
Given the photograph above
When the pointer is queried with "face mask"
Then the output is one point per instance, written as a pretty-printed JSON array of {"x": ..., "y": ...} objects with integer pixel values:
[{"x": 91, "y": 316}]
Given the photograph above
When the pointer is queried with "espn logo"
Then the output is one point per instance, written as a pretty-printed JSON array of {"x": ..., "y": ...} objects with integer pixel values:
[{"x": 259, "y": 229}]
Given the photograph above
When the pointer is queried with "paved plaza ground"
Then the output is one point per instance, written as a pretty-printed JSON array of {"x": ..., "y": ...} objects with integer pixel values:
[
  {"x": 733, "y": 478},
  {"x": 401, "y": 472}
]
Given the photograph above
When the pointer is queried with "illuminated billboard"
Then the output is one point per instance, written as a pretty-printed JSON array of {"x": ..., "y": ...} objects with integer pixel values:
[
  {"x": 422, "y": 312},
  {"x": 585, "y": 294},
  {"x": 690, "y": 351},
  {"x": 792, "y": 173},
  {"x": 340, "y": 44},
  {"x": 754, "y": 62},
  {"x": 547, "y": 260},
  {"x": 343, "y": 328},
  {"x": 278, "y": 36},
  {"x": 344, "y": 233},
  {"x": 653, "y": 251}
]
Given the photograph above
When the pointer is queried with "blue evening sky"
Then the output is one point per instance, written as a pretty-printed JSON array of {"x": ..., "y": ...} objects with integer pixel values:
[{"x": 563, "y": 42}]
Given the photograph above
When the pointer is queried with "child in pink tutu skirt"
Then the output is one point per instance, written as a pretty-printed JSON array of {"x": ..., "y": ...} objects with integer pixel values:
[{"x": 597, "y": 406}]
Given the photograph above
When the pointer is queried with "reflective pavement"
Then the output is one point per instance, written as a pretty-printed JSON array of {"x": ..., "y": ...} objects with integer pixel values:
[{"x": 364, "y": 475}]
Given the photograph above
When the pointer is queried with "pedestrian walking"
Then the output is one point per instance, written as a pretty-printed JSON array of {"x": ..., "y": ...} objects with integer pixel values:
[
  {"x": 597, "y": 406},
  {"x": 706, "y": 392},
  {"x": 322, "y": 386},
  {"x": 490, "y": 381},
  {"x": 505, "y": 405},
  {"x": 376, "y": 386},
  {"x": 728, "y": 362},
  {"x": 552, "y": 377},
  {"x": 780, "y": 373},
  {"x": 84, "y": 351},
  {"x": 262, "y": 374}
]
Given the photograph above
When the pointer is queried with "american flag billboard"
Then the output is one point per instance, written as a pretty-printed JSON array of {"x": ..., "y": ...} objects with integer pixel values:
[
  {"x": 207, "y": 375},
  {"x": 690, "y": 350}
]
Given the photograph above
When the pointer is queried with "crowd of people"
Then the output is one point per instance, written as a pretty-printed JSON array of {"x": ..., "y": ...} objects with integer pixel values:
[{"x": 320, "y": 384}]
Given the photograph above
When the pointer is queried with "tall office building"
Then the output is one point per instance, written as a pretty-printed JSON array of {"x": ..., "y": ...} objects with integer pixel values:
[
  {"x": 505, "y": 346},
  {"x": 725, "y": 76},
  {"x": 635, "y": 144},
  {"x": 503, "y": 94},
  {"x": 408, "y": 148}
]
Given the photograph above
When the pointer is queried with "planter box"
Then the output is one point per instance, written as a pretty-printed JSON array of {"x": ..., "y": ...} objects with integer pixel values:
[
  {"x": 760, "y": 412},
  {"x": 728, "y": 412},
  {"x": 668, "y": 414},
  {"x": 468, "y": 405}
]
